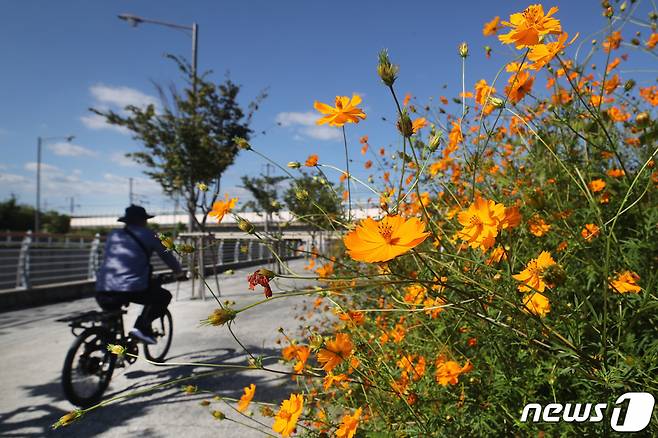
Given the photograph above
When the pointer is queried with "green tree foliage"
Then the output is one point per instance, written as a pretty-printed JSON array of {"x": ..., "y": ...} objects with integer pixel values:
[
  {"x": 314, "y": 201},
  {"x": 190, "y": 139},
  {"x": 265, "y": 193},
  {"x": 20, "y": 217}
]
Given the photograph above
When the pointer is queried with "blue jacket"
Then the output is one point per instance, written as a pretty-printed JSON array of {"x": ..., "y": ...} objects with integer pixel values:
[{"x": 125, "y": 267}]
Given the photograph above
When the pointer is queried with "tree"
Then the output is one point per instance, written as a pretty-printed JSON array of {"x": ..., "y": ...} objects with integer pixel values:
[
  {"x": 264, "y": 191},
  {"x": 20, "y": 217},
  {"x": 314, "y": 201},
  {"x": 190, "y": 140}
]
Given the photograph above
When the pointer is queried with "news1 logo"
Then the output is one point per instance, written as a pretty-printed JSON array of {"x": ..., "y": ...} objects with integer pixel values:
[{"x": 638, "y": 412}]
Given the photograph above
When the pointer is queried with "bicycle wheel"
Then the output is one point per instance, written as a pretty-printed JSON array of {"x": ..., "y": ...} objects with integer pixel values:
[
  {"x": 162, "y": 331},
  {"x": 88, "y": 367}
]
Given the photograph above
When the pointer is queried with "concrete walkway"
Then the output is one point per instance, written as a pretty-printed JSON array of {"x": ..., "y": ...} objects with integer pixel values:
[{"x": 33, "y": 347}]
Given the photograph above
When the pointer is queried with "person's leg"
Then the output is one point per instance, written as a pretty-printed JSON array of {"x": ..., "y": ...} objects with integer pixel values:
[
  {"x": 155, "y": 303},
  {"x": 110, "y": 301}
]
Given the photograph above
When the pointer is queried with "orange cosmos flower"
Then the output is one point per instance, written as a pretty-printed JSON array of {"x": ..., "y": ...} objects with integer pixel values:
[
  {"x": 652, "y": 41},
  {"x": 496, "y": 256},
  {"x": 349, "y": 424},
  {"x": 249, "y": 392},
  {"x": 353, "y": 317},
  {"x": 345, "y": 111},
  {"x": 220, "y": 208},
  {"x": 481, "y": 222},
  {"x": 380, "y": 241},
  {"x": 335, "y": 351},
  {"x": 432, "y": 306},
  {"x": 590, "y": 231},
  {"x": 414, "y": 294},
  {"x": 611, "y": 84},
  {"x": 330, "y": 380},
  {"x": 311, "y": 161},
  {"x": 455, "y": 137},
  {"x": 596, "y": 185},
  {"x": 518, "y": 86},
  {"x": 491, "y": 27},
  {"x": 325, "y": 270},
  {"x": 418, "y": 124},
  {"x": 536, "y": 304},
  {"x": 532, "y": 276},
  {"x": 537, "y": 226},
  {"x": 286, "y": 419},
  {"x": 612, "y": 42},
  {"x": 616, "y": 173},
  {"x": 626, "y": 282},
  {"x": 618, "y": 115},
  {"x": 529, "y": 26},
  {"x": 447, "y": 373},
  {"x": 412, "y": 367},
  {"x": 482, "y": 91},
  {"x": 650, "y": 94},
  {"x": 542, "y": 54}
]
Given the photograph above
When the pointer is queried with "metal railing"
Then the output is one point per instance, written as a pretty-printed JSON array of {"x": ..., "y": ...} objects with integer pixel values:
[{"x": 28, "y": 260}]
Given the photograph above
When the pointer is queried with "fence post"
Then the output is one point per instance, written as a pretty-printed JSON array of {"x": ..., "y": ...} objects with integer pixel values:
[
  {"x": 236, "y": 251},
  {"x": 23, "y": 271},
  {"x": 250, "y": 255},
  {"x": 202, "y": 269},
  {"x": 94, "y": 257},
  {"x": 220, "y": 252}
]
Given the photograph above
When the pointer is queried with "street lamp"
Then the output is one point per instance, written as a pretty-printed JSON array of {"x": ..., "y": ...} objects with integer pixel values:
[
  {"x": 40, "y": 142},
  {"x": 134, "y": 21}
]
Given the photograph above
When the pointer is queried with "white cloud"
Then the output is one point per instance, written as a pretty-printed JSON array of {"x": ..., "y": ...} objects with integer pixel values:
[
  {"x": 32, "y": 167},
  {"x": 97, "y": 122},
  {"x": 303, "y": 125},
  {"x": 70, "y": 150},
  {"x": 121, "y": 96},
  {"x": 116, "y": 99},
  {"x": 121, "y": 159},
  {"x": 12, "y": 179}
]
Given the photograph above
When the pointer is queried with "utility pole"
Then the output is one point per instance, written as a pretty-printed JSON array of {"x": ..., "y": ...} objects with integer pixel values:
[
  {"x": 130, "y": 190},
  {"x": 72, "y": 205},
  {"x": 38, "y": 209}
]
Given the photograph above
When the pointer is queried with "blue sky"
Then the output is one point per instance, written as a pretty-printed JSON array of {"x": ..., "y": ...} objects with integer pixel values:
[{"x": 63, "y": 57}]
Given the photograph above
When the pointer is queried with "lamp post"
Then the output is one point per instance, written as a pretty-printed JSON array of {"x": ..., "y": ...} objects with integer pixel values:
[
  {"x": 40, "y": 142},
  {"x": 134, "y": 21}
]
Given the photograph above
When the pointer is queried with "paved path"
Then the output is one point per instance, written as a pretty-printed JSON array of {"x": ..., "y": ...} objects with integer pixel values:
[{"x": 33, "y": 346}]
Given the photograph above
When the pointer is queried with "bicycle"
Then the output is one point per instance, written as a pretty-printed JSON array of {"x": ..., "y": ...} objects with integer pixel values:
[{"x": 88, "y": 365}]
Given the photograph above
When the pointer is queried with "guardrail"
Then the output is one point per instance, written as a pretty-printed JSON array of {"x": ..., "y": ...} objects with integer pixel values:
[{"x": 28, "y": 260}]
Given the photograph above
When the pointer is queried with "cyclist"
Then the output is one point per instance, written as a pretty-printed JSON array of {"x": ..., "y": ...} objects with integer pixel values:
[{"x": 125, "y": 274}]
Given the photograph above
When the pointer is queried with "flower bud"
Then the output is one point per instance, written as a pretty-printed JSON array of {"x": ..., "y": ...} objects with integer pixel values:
[
  {"x": 435, "y": 140},
  {"x": 185, "y": 248},
  {"x": 496, "y": 102},
  {"x": 266, "y": 273},
  {"x": 219, "y": 415},
  {"x": 202, "y": 186},
  {"x": 301, "y": 194},
  {"x": 242, "y": 143},
  {"x": 294, "y": 164},
  {"x": 67, "y": 419},
  {"x": 642, "y": 118},
  {"x": 628, "y": 86},
  {"x": 405, "y": 126},
  {"x": 167, "y": 241},
  {"x": 220, "y": 317},
  {"x": 190, "y": 389},
  {"x": 463, "y": 49},
  {"x": 246, "y": 226},
  {"x": 116, "y": 349},
  {"x": 387, "y": 71}
]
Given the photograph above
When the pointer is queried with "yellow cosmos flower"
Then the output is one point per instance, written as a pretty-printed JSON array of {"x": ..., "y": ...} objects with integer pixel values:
[
  {"x": 626, "y": 282},
  {"x": 418, "y": 124},
  {"x": 249, "y": 392},
  {"x": 220, "y": 208},
  {"x": 286, "y": 419},
  {"x": 335, "y": 351},
  {"x": 447, "y": 373},
  {"x": 380, "y": 241},
  {"x": 311, "y": 161},
  {"x": 349, "y": 424},
  {"x": 531, "y": 276},
  {"x": 537, "y": 304},
  {"x": 331, "y": 379},
  {"x": 518, "y": 86},
  {"x": 491, "y": 27},
  {"x": 542, "y": 54},
  {"x": 345, "y": 111},
  {"x": 481, "y": 222},
  {"x": 530, "y": 26}
]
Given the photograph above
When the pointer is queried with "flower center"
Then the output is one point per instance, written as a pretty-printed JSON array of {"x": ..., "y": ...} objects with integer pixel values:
[{"x": 386, "y": 231}]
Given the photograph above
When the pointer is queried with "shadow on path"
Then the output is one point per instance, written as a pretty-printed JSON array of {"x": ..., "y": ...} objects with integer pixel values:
[{"x": 36, "y": 419}]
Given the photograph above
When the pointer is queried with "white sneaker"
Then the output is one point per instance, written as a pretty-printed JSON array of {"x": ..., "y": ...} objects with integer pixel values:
[{"x": 142, "y": 336}]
